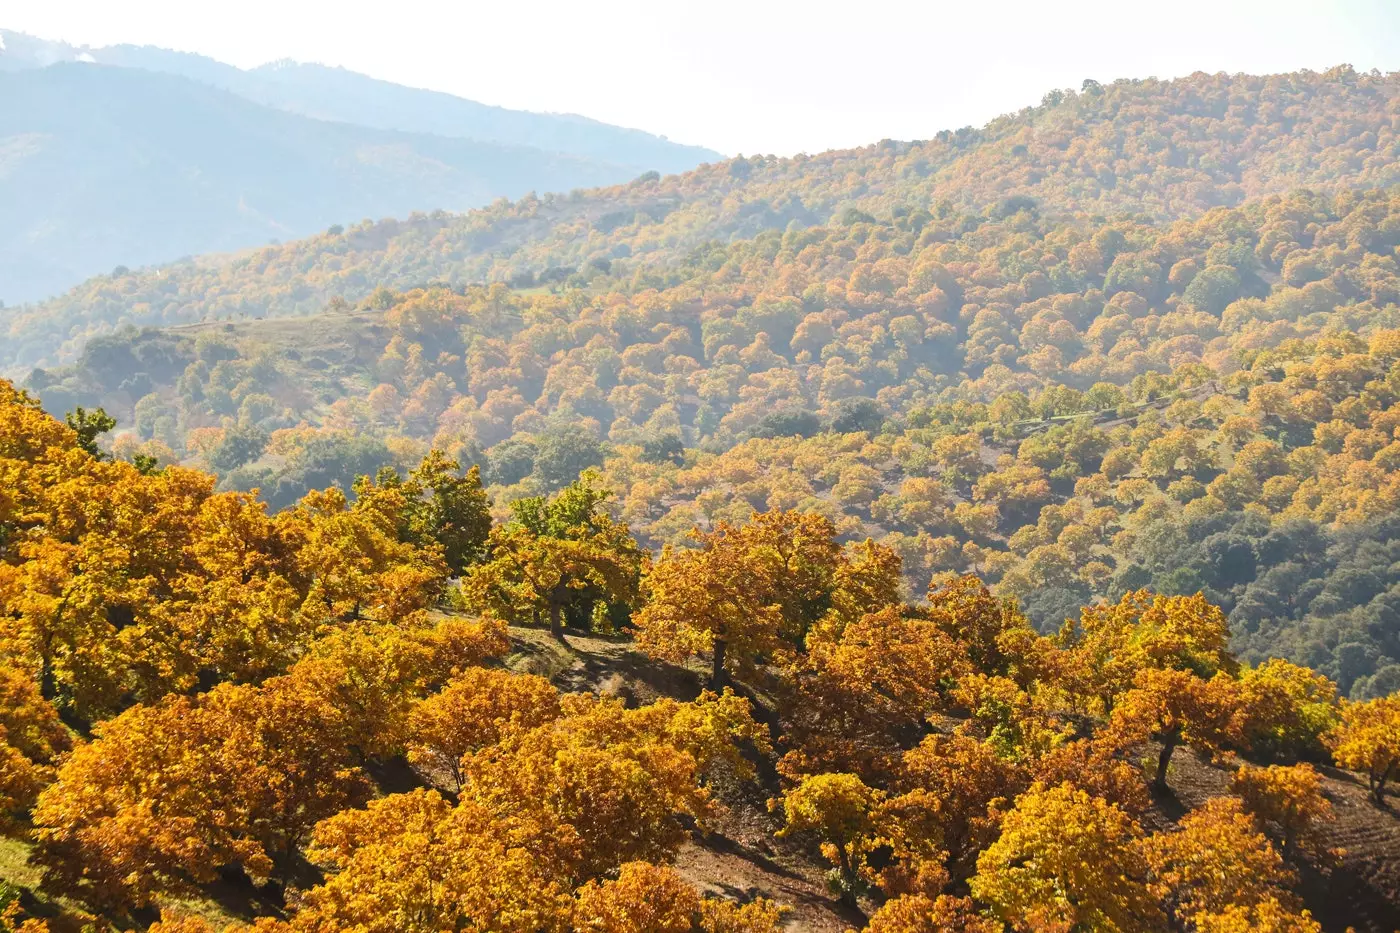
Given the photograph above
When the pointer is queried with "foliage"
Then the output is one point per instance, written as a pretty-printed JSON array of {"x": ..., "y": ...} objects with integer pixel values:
[{"x": 1368, "y": 740}]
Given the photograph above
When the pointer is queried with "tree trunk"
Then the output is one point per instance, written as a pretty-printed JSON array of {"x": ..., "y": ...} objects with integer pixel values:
[
  {"x": 848, "y": 877},
  {"x": 1378, "y": 782},
  {"x": 1159, "y": 783},
  {"x": 717, "y": 673},
  {"x": 556, "y": 621}
]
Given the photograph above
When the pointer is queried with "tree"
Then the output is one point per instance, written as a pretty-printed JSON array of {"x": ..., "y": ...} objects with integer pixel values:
[
  {"x": 476, "y": 709},
  {"x": 31, "y": 741},
  {"x": 1066, "y": 860},
  {"x": 1173, "y": 707},
  {"x": 1368, "y": 739},
  {"x": 1289, "y": 797},
  {"x": 840, "y": 808},
  {"x": 917, "y": 913},
  {"x": 560, "y": 556},
  {"x": 1218, "y": 865},
  {"x": 449, "y": 509},
  {"x": 863, "y": 688},
  {"x": 564, "y": 454},
  {"x": 1142, "y": 631},
  {"x": 604, "y": 785},
  {"x": 414, "y": 863},
  {"x": 949, "y": 796},
  {"x": 88, "y": 426},
  {"x": 168, "y": 795},
  {"x": 1287, "y": 709},
  {"x": 647, "y": 898},
  {"x": 748, "y": 591}
]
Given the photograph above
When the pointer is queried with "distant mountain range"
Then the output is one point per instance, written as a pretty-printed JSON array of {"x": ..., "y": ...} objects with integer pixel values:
[{"x": 134, "y": 155}]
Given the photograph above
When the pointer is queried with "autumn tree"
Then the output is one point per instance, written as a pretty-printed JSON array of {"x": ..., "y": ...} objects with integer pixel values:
[
  {"x": 31, "y": 741},
  {"x": 865, "y": 689},
  {"x": 1368, "y": 739},
  {"x": 1173, "y": 707},
  {"x": 945, "y": 806},
  {"x": 1142, "y": 631},
  {"x": 415, "y": 863},
  {"x": 1218, "y": 868},
  {"x": 754, "y": 591},
  {"x": 840, "y": 809},
  {"x": 646, "y": 898},
  {"x": 918, "y": 913},
  {"x": 1066, "y": 860},
  {"x": 476, "y": 709},
  {"x": 561, "y": 556},
  {"x": 1288, "y": 797},
  {"x": 1287, "y": 709}
]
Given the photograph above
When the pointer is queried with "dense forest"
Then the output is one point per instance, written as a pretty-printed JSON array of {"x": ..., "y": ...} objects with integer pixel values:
[
  {"x": 999, "y": 532},
  {"x": 318, "y": 719}
]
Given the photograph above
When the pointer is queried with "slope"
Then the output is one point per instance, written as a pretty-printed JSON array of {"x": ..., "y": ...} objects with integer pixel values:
[
  {"x": 102, "y": 166},
  {"x": 1164, "y": 149}
]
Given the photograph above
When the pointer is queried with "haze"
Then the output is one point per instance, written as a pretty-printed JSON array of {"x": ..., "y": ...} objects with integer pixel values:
[{"x": 748, "y": 77}]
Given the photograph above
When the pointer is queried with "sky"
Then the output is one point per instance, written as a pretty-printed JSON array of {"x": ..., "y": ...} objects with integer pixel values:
[{"x": 749, "y": 76}]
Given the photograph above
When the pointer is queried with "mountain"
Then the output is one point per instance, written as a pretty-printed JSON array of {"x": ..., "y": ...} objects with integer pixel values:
[
  {"x": 344, "y": 96},
  {"x": 133, "y": 156},
  {"x": 1165, "y": 150}
]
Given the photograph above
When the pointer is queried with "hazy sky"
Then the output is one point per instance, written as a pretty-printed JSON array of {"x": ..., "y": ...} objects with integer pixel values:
[{"x": 747, "y": 75}]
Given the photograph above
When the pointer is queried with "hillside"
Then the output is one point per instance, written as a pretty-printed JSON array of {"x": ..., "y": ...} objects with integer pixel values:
[
  {"x": 134, "y": 156},
  {"x": 1069, "y": 408},
  {"x": 1167, "y": 150},
  {"x": 399, "y": 714},
  {"x": 343, "y": 96}
]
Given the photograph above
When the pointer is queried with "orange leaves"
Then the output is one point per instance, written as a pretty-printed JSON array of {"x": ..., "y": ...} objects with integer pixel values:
[
  {"x": 1065, "y": 857},
  {"x": 31, "y": 740},
  {"x": 414, "y": 863},
  {"x": 650, "y": 899},
  {"x": 477, "y": 708},
  {"x": 1287, "y": 797},
  {"x": 1368, "y": 739},
  {"x": 1174, "y": 707},
  {"x": 1220, "y": 873}
]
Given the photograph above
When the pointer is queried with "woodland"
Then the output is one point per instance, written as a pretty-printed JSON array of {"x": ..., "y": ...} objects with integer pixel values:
[{"x": 999, "y": 532}]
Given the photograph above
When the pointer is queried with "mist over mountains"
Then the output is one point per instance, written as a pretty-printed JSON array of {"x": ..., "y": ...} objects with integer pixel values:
[{"x": 128, "y": 156}]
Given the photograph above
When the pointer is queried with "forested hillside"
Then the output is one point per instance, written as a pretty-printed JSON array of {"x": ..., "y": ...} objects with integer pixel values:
[
  {"x": 1070, "y": 409},
  {"x": 997, "y": 533},
  {"x": 1159, "y": 150},
  {"x": 215, "y": 715}
]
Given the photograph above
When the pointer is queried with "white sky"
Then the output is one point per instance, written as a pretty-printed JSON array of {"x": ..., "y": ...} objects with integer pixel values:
[{"x": 747, "y": 75}]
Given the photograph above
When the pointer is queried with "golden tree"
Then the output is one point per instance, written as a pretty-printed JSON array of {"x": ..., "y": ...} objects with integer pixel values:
[
  {"x": 840, "y": 808},
  {"x": 946, "y": 806},
  {"x": 1218, "y": 865},
  {"x": 476, "y": 709},
  {"x": 863, "y": 688},
  {"x": 646, "y": 898},
  {"x": 561, "y": 557},
  {"x": 1143, "y": 631},
  {"x": 1287, "y": 709},
  {"x": 1066, "y": 858},
  {"x": 1368, "y": 739},
  {"x": 31, "y": 741},
  {"x": 414, "y": 863},
  {"x": 918, "y": 913},
  {"x": 1173, "y": 707},
  {"x": 1289, "y": 797}
]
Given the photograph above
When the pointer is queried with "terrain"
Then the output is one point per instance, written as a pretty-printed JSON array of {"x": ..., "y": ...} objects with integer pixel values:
[
  {"x": 129, "y": 157},
  {"x": 995, "y": 533}
]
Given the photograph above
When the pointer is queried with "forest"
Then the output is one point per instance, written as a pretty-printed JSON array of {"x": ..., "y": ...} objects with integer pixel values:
[
  {"x": 326, "y": 717},
  {"x": 997, "y": 532}
]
